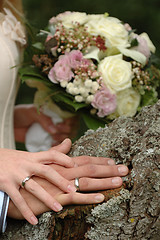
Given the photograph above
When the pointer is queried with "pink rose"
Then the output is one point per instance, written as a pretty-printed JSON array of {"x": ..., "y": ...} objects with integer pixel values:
[
  {"x": 61, "y": 70},
  {"x": 104, "y": 101},
  {"x": 142, "y": 47},
  {"x": 75, "y": 57}
]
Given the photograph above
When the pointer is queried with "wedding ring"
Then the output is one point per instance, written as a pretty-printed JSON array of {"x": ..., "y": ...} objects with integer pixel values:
[
  {"x": 76, "y": 184},
  {"x": 24, "y": 181}
]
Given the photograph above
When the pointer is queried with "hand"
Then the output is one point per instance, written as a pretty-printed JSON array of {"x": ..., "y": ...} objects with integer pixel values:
[
  {"x": 67, "y": 129},
  {"x": 94, "y": 173},
  {"x": 17, "y": 165},
  {"x": 26, "y": 115}
]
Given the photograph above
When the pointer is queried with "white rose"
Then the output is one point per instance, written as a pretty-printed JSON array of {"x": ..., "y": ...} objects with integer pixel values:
[
  {"x": 128, "y": 101},
  {"x": 69, "y": 19},
  {"x": 96, "y": 17},
  {"x": 116, "y": 73},
  {"x": 110, "y": 28}
]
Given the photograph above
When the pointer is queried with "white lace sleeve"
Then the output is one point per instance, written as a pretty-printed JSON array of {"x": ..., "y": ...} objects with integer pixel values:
[{"x": 4, "y": 202}]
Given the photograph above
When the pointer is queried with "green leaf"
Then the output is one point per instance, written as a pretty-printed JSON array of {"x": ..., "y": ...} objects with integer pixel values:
[
  {"x": 134, "y": 42},
  {"x": 30, "y": 70},
  {"x": 39, "y": 46},
  {"x": 149, "y": 98},
  {"x": 91, "y": 121},
  {"x": 65, "y": 100}
]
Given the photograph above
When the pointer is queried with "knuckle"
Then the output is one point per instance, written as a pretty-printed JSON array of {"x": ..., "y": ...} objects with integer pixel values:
[
  {"x": 45, "y": 169},
  {"x": 91, "y": 169},
  {"x": 30, "y": 188},
  {"x": 71, "y": 197},
  {"x": 86, "y": 159}
]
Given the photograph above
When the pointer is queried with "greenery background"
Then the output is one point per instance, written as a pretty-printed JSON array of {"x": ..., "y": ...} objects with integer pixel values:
[{"x": 143, "y": 15}]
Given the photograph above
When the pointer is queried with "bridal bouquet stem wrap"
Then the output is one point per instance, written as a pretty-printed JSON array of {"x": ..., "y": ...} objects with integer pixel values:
[{"x": 93, "y": 65}]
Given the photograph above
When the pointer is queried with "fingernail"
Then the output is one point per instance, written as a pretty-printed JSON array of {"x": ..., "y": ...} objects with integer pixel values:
[
  {"x": 52, "y": 129},
  {"x": 116, "y": 181},
  {"x": 99, "y": 198},
  {"x": 123, "y": 169},
  {"x": 111, "y": 162},
  {"x": 34, "y": 220},
  {"x": 71, "y": 188},
  {"x": 57, "y": 207}
]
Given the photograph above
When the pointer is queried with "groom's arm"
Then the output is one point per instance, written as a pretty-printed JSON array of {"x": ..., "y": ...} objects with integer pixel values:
[{"x": 4, "y": 202}]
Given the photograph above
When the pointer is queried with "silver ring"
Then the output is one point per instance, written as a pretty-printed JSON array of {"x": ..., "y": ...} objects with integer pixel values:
[
  {"x": 76, "y": 184},
  {"x": 24, "y": 181}
]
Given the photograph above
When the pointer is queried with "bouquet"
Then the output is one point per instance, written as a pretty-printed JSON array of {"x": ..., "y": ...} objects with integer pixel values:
[{"x": 92, "y": 65}]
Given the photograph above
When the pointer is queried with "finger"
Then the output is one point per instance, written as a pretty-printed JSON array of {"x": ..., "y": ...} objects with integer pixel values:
[
  {"x": 63, "y": 147},
  {"x": 52, "y": 156},
  {"x": 64, "y": 128},
  {"x": 22, "y": 206},
  {"x": 97, "y": 171},
  {"x": 47, "y": 172},
  {"x": 83, "y": 160},
  {"x": 47, "y": 124},
  {"x": 90, "y": 184},
  {"x": 39, "y": 192},
  {"x": 80, "y": 198}
]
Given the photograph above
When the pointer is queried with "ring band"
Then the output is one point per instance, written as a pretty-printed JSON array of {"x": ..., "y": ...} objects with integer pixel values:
[
  {"x": 24, "y": 181},
  {"x": 76, "y": 184}
]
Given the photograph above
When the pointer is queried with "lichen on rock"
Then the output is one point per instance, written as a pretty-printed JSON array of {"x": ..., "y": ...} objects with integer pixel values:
[{"x": 129, "y": 213}]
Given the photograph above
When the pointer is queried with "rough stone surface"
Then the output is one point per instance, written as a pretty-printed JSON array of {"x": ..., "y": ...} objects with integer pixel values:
[{"x": 134, "y": 212}]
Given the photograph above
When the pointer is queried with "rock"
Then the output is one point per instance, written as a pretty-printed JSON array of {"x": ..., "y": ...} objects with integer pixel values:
[{"x": 130, "y": 212}]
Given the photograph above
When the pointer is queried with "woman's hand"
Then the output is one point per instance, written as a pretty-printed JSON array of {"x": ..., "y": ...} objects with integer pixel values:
[
  {"x": 17, "y": 165},
  {"x": 94, "y": 174},
  {"x": 25, "y": 115}
]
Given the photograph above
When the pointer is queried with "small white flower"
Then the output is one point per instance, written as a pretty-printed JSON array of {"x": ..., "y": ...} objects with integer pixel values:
[
  {"x": 70, "y": 85},
  {"x": 71, "y": 90},
  {"x": 77, "y": 81},
  {"x": 95, "y": 86},
  {"x": 89, "y": 99},
  {"x": 80, "y": 46},
  {"x": 84, "y": 92},
  {"x": 75, "y": 91},
  {"x": 64, "y": 84},
  {"x": 88, "y": 83},
  {"x": 79, "y": 98}
]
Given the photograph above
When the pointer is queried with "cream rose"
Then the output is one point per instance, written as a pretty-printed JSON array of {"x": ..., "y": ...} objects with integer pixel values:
[
  {"x": 69, "y": 19},
  {"x": 110, "y": 28},
  {"x": 128, "y": 101},
  {"x": 116, "y": 73}
]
